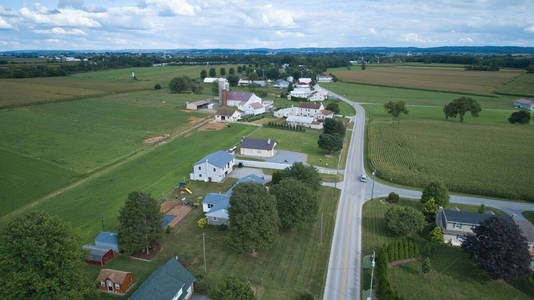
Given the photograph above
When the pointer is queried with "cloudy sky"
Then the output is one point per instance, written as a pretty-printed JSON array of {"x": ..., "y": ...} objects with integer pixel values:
[{"x": 171, "y": 24}]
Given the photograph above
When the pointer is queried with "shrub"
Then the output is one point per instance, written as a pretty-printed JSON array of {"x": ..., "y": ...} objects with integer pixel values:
[
  {"x": 426, "y": 267},
  {"x": 168, "y": 229},
  {"x": 393, "y": 197},
  {"x": 436, "y": 235},
  {"x": 202, "y": 222},
  {"x": 157, "y": 86}
]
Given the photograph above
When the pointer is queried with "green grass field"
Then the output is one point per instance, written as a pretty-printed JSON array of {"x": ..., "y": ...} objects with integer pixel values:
[
  {"x": 296, "y": 263},
  {"x": 455, "y": 275},
  {"x": 483, "y": 156},
  {"x": 344, "y": 108},
  {"x": 377, "y": 94},
  {"x": 529, "y": 215},
  {"x": 522, "y": 85},
  {"x": 20, "y": 92},
  {"x": 304, "y": 142},
  {"x": 156, "y": 172},
  {"x": 26, "y": 179},
  {"x": 88, "y": 134}
]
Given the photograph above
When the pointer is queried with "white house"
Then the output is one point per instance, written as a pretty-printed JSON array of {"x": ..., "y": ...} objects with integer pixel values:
[
  {"x": 304, "y": 82},
  {"x": 227, "y": 115},
  {"x": 285, "y": 112},
  {"x": 324, "y": 78},
  {"x": 310, "y": 109},
  {"x": 317, "y": 96},
  {"x": 254, "y": 147},
  {"x": 305, "y": 121},
  {"x": 325, "y": 114},
  {"x": 213, "y": 167},
  {"x": 210, "y": 79},
  {"x": 254, "y": 108},
  {"x": 524, "y": 103},
  {"x": 300, "y": 92}
]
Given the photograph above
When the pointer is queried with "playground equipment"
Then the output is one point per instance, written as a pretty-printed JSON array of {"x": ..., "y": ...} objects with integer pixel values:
[{"x": 182, "y": 189}]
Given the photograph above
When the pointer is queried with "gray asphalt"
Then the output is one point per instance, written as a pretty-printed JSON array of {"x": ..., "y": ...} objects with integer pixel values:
[{"x": 343, "y": 278}]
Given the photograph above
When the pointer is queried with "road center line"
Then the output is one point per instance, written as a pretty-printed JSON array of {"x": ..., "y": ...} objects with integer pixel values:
[{"x": 344, "y": 278}]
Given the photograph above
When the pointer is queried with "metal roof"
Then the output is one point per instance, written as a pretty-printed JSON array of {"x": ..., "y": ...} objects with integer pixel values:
[
  {"x": 218, "y": 159},
  {"x": 299, "y": 119},
  {"x": 258, "y": 144},
  {"x": 238, "y": 96},
  {"x": 466, "y": 217},
  {"x": 107, "y": 237},
  {"x": 166, "y": 220},
  {"x": 165, "y": 283}
]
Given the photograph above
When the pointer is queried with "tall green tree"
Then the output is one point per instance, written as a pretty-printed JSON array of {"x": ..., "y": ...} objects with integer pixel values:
[
  {"x": 438, "y": 191},
  {"x": 306, "y": 174},
  {"x": 333, "y": 107},
  {"x": 436, "y": 235},
  {"x": 426, "y": 266},
  {"x": 233, "y": 80},
  {"x": 41, "y": 258},
  {"x": 330, "y": 142},
  {"x": 231, "y": 71},
  {"x": 404, "y": 220},
  {"x": 139, "y": 223},
  {"x": 395, "y": 109},
  {"x": 181, "y": 84},
  {"x": 429, "y": 209},
  {"x": 254, "y": 222},
  {"x": 460, "y": 106},
  {"x": 499, "y": 248},
  {"x": 296, "y": 202},
  {"x": 335, "y": 127},
  {"x": 213, "y": 73},
  {"x": 222, "y": 72},
  {"x": 203, "y": 74},
  {"x": 232, "y": 289},
  {"x": 520, "y": 117}
]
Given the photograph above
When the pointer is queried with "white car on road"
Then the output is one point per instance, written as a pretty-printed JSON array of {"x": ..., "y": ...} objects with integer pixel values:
[{"x": 363, "y": 178}]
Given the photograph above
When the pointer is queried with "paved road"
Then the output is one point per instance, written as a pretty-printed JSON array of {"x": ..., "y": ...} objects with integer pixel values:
[{"x": 343, "y": 278}]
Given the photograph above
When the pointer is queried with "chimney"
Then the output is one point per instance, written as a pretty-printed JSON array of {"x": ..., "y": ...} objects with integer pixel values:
[
  {"x": 224, "y": 97},
  {"x": 268, "y": 141}
]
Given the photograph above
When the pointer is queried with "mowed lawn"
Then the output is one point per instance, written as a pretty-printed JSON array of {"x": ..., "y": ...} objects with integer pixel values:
[
  {"x": 455, "y": 275},
  {"x": 483, "y": 156},
  {"x": 156, "y": 172},
  {"x": 88, "y": 134},
  {"x": 297, "y": 262},
  {"x": 377, "y": 94},
  {"x": 344, "y": 108},
  {"x": 304, "y": 142},
  {"x": 447, "y": 79},
  {"x": 26, "y": 179}
]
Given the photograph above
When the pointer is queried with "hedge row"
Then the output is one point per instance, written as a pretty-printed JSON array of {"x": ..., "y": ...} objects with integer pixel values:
[
  {"x": 285, "y": 126},
  {"x": 385, "y": 291},
  {"x": 402, "y": 249}
]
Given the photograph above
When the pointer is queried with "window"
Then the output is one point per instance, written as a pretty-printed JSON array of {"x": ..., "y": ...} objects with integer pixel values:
[
  {"x": 460, "y": 237},
  {"x": 110, "y": 283},
  {"x": 199, "y": 175},
  {"x": 210, "y": 205},
  {"x": 117, "y": 286},
  {"x": 214, "y": 169},
  {"x": 102, "y": 284},
  {"x": 214, "y": 218},
  {"x": 473, "y": 227},
  {"x": 200, "y": 168},
  {"x": 457, "y": 225}
]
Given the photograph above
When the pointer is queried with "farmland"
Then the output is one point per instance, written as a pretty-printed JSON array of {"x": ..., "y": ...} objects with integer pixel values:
[
  {"x": 455, "y": 275},
  {"x": 20, "y": 92},
  {"x": 305, "y": 142},
  {"x": 297, "y": 262},
  {"x": 484, "y": 156},
  {"x": 437, "y": 79},
  {"x": 522, "y": 85},
  {"x": 156, "y": 172},
  {"x": 377, "y": 94}
]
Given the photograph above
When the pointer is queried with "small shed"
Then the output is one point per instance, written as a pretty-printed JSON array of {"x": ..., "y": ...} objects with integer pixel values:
[
  {"x": 197, "y": 105},
  {"x": 114, "y": 281},
  {"x": 104, "y": 249},
  {"x": 100, "y": 257},
  {"x": 107, "y": 240}
]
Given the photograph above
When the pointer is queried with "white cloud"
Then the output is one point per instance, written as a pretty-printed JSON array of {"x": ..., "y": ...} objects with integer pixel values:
[
  {"x": 412, "y": 37},
  {"x": 529, "y": 29},
  {"x": 63, "y": 17},
  {"x": 4, "y": 24},
  {"x": 7, "y": 12},
  {"x": 288, "y": 34},
  {"x": 277, "y": 17},
  {"x": 60, "y": 31},
  {"x": 52, "y": 41},
  {"x": 466, "y": 40},
  {"x": 172, "y": 7},
  {"x": 372, "y": 31}
]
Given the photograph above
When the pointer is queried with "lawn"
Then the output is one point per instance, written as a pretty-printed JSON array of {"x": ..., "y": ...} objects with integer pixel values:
[
  {"x": 156, "y": 172},
  {"x": 529, "y": 215},
  {"x": 483, "y": 156},
  {"x": 455, "y": 275},
  {"x": 522, "y": 85},
  {"x": 377, "y": 94},
  {"x": 88, "y": 134},
  {"x": 298, "y": 262},
  {"x": 26, "y": 179},
  {"x": 344, "y": 108},
  {"x": 446, "y": 79},
  {"x": 304, "y": 142}
]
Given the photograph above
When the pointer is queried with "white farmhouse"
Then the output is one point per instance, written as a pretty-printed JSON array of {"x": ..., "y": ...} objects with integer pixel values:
[
  {"x": 210, "y": 79},
  {"x": 227, "y": 115},
  {"x": 213, "y": 168},
  {"x": 310, "y": 109},
  {"x": 254, "y": 147},
  {"x": 324, "y": 78},
  {"x": 304, "y": 82},
  {"x": 301, "y": 92}
]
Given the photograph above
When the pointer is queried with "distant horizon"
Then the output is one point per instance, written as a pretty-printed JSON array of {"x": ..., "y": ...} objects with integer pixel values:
[{"x": 239, "y": 24}]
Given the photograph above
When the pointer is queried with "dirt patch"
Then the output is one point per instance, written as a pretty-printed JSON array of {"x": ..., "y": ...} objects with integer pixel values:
[
  {"x": 188, "y": 134},
  {"x": 185, "y": 111},
  {"x": 154, "y": 249},
  {"x": 212, "y": 126},
  {"x": 194, "y": 120},
  {"x": 175, "y": 208},
  {"x": 402, "y": 261},
  {"x": 156, "y": 139},
  {"x": 329, "y": 156}
]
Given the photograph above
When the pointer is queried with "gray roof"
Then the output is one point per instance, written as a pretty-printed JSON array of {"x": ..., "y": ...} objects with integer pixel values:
[
  {"x": 453, "y": 216},
  {"x": 107, "y": 237},
  {"x": 258, "y": 144},
  {"x": 525, "y": 101},
  {"x": 218, "y": 159},
  {"x": 526, "y": 230},
  {"x": 165, "y": 283},
  {"x": 239, "y": 96}
]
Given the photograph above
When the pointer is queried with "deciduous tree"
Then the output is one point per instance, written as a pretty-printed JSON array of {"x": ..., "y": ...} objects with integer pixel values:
[
  {"x": 296, "y": 202},
  {"x": 396, "y": 109},
  {"x": 41, "y": 258},
  {"x": 254, "y": 222},
  {"x": 438, "y": 191},
  {"x": 333, "y": 107},
  {"x": 460, "y": 106},
  {"x": 333, "y": 126},
  {"x": 233, "y": 80},
  {"x": 203, "y": 74},
  {"x": 306, "y": 174},
  {"x": 232, "y": 289},
  {"x": 213, "y": 73},
  {"x": 499, "y": 248},
  {"x": 404, "y": 220},
  {"x": 139, "y": 222},
  {"x": 330, "y": 142},
  {"x": 222, "y": 72},
  {"x": 520, "y": 117}
]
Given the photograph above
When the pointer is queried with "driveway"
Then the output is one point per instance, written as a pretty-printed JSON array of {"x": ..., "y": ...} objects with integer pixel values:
[
  {"x": 282, "y": 156},
  {"x": 242, "y": 172}
]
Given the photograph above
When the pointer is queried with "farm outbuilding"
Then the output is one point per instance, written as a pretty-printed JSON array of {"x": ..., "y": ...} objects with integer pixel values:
[
  {"x": 524, "y": 103},
  {"x": 202, "y": 104},
  {"x": 104, "y": 249},
  {"x": 100, "y": 257},
  {"x": 114, "y": 281}
]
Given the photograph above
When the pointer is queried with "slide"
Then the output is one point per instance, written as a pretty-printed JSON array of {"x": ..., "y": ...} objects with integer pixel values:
[{"x": 188, "y": 190}]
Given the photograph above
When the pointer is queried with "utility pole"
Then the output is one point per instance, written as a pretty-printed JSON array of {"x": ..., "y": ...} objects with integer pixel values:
[
  {"x": 372, "y": 273},
  {"x": 204, "y": 247}
]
